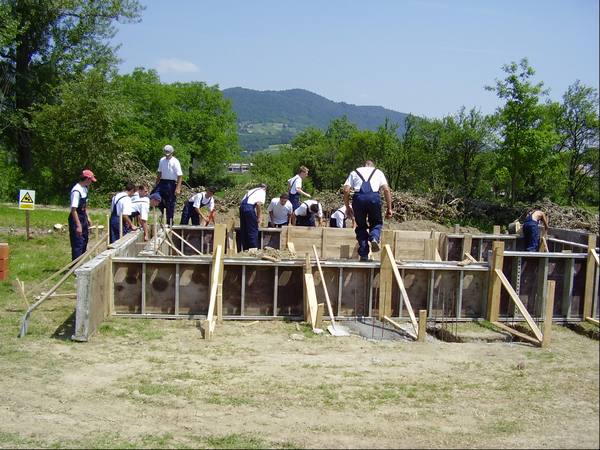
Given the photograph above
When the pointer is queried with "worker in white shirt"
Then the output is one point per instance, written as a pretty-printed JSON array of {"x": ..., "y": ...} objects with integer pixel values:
[
  {"x": 140, "y": 207},
  {"x": 304, "y": 215},
  {"x": 295, "y": 187},
  {"x": 121, "y": 208},
  {"x": 250, "y": 216},
  {"x": 193, "y": 208},
  {"x": 168, "y": 181},
  {"x": 280, "y": 211},
  {"x": 79, "y": 220},
  {"x": 338, "y": 218},
  {"x": 366, "y": 182}
]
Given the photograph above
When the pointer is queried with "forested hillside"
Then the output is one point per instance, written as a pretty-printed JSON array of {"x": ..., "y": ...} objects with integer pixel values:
[{"x": 275, "y": 117}]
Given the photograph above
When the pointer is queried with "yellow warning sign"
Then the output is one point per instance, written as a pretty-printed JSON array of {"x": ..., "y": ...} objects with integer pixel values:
[{"x": 26, "y": 199}]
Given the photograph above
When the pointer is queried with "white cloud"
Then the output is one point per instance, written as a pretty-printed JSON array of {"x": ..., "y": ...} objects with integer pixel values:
[{"x": 174, "y": 65}]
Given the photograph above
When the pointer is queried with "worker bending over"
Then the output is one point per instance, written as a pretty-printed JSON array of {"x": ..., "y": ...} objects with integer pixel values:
[
  {"x": 121, "y": 208},
  {"x": 338, "y": 218},
  {"x": 280, "y": 211},
  {"x": 140, "y": 207},
  {"x": 193, "y": 208},
  {"x": 304, "y": 215},
  {"x": 531, "y": 231},
  {"x": 250, "y": 216}
]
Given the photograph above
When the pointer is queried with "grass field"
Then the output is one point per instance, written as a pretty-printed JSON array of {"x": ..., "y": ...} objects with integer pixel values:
[{"x": 157, "y": 384}]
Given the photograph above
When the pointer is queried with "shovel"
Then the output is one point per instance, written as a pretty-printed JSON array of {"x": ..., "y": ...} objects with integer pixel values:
[{"x": 334, "y": 329}]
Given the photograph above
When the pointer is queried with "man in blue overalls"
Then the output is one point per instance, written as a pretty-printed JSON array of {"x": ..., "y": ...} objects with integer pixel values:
[
  {"x": 250, "y": 216},
  {"x": 295, "y": 187},
  {"x": 121, "y": 208},
  {"x": 191, "y": 209},
  {"x": 531, "y": 231},
  {"x": 168, "y": 182},
  {"x": 366, "y": 182},
  {"x": 79, "y": 220},
  {"x": 304, "y": 215}
]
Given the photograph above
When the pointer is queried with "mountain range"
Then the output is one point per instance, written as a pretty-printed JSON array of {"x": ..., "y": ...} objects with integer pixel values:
[{"x": 267, "y": 118}]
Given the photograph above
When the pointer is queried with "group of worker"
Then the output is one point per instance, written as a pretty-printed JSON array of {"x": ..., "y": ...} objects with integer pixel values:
[{"x": 363, "y": 210}]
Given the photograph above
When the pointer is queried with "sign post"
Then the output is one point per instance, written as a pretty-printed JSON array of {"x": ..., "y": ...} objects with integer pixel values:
[{"x": 27, "y": 202}]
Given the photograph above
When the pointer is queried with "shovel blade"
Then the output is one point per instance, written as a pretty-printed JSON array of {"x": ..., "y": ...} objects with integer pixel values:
[{"x": 338, "y": 331}]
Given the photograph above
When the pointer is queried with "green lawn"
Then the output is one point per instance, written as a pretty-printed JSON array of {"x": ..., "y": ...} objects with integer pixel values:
[{"x": 42, "y": 217}]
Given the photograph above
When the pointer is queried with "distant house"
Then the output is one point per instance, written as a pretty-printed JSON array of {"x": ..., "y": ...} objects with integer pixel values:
[{"x": 238, "y": 167}]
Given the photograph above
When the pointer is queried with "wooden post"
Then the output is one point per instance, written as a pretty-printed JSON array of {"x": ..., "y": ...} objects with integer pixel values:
[
  {"x": 588, "y": 297},
  {"x": 107, "y": 229},
  {"x": 496, "y": 229},
  {"x": 120, "y": 226},
  {"x": 549, "y": 313},
  {"x": 307, "y": 270},
  {"x": 323, "y": 243},
  {"x": 422, "y": 336},
  {"x": 494, "y": 284},
  {"x": 385, "y": 286},
  {"x": 27, "y": 222},
  {"x": 219, "y": 236},
  {"x": 467, "y": 244},
  {"x": 388, "y": 237}
]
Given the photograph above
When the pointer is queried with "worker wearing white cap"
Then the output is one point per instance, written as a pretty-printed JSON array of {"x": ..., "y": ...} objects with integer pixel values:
[{"x": 168, "y": 181}]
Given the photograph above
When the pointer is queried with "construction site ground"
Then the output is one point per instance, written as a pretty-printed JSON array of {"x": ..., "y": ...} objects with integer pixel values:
[{"x": 158, "y": 384}]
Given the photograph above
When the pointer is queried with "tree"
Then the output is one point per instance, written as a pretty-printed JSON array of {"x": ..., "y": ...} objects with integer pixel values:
[
  {"x": 53, "y": 42},
  {"x": 466, "y": 136},
  {"x": 526, "y": 135},
  {"x": 577, "y": 125}
]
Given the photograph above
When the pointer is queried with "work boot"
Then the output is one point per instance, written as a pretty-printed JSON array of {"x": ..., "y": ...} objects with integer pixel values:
[
  {"x": 375, "y": 247},
  {"x": 363, "y": 259}
]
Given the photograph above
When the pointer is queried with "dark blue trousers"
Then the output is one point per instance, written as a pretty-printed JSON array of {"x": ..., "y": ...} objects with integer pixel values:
[
  {"x": 248, "y": 227},
  {"x": 369, "y": 222},
  {"x": 531, "y": 233},
  {"x": 294, "y": 200},
  {"x": 114, "y": 228},
  {"x": 189, "y": 212},
  {"x": 166, "y": 189},
  {"x": 305, "y": 221},
  {"x": 78, "y": 243}
]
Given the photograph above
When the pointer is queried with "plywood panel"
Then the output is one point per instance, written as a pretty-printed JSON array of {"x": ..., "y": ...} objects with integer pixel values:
[
  {"x": 232, "y": 284},
  {"x": 270, "y": 239},
  {"x": 160, "y": 288},
  {"x": 194, "y": 289},
  {"x": 454, "y": 249},
  {"x": 529, "y": 283},
  {"x": 336, "y": 239},
  {"x": 259, "y": 291},
  {"x": 416, "y": 283},
  {"x": 289, "y": 291},
  {"x": 474, "y": 294},
  {"x": 578, "y": 288},
  {"x": 355, "y": 292},
  {"x": 127, "y": 282},
  {"x": 331, "y": 275}
]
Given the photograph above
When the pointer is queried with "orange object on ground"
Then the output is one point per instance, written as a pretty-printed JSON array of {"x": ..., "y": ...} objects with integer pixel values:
[{"x": 4, "y": 253}]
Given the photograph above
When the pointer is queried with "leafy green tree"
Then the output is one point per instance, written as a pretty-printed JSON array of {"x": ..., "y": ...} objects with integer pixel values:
[
  {"x": 578, "y": 128},
  {"x": 467, "y": 135},
  {"x": 53, "y": 41},
  {"x": 81, "y": 130},
  {"x": 526, "y": 134}
]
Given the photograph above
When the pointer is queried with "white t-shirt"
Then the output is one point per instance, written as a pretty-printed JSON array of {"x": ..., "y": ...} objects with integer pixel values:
[
  {"x": 123, "y": 202},
  {"x": 200, "y": 200},
  {"x": 77, "y": 192},
  {"x": 140, "y": 205},
  {"x": 294, "y": 183},
  {"x": 256, "y": 195},
  {"x": 301, "y": 210},
  {"x": 355, "y": 182},
  {"x": 280, "y": 212},
  {"x": 170, "y": 168},
  {"x": 340, "y": 216}
]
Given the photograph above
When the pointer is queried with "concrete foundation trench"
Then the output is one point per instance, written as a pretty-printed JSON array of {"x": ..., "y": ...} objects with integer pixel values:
[{"x": 451, "y": 277}]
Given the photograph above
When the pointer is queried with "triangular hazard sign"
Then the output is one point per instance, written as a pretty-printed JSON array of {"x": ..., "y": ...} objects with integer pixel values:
[{"x": 26, "y": 198}]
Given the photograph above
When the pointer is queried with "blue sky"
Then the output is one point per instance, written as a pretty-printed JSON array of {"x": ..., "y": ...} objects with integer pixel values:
[{"x": 426, "y": 57}]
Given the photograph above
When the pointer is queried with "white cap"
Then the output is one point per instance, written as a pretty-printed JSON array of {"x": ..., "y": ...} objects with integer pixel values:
[{"x": 168, "y": 149}]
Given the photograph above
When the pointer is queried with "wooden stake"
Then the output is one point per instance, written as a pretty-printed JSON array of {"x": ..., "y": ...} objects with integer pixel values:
[
  {"x": 549, "y": 314},
  {"x": 27, "y": 222},
  {"x": 588, "y": 297},
  {"x": 494, "y": 286},
  {"x": 467, "y": 244},
  {"x": 496, "y": 229},
  {"x": 107, "y": 229},
  {"x": 422, "y": 334}
]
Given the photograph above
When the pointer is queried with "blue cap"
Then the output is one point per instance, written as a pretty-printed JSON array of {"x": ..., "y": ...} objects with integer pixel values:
[{"x": 156, "y": 196}]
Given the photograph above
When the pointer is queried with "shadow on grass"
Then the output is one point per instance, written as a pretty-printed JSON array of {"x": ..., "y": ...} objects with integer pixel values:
[{"x": 66, "y": 329}]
